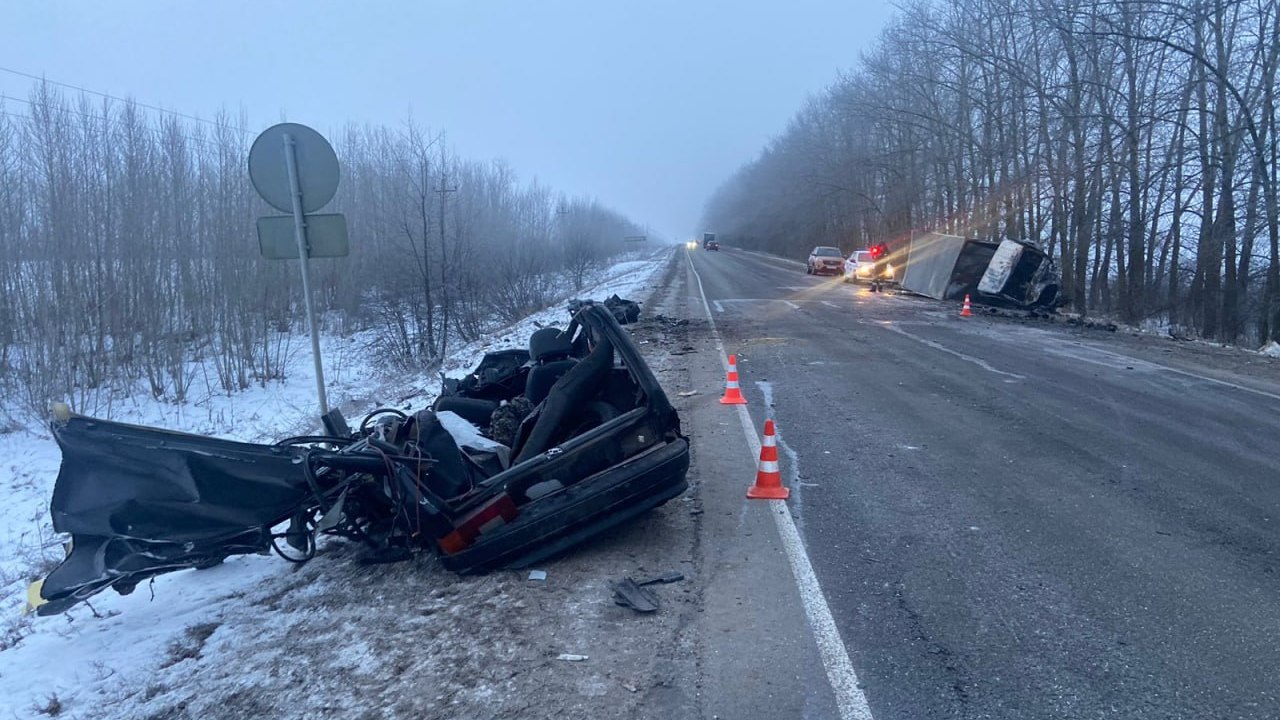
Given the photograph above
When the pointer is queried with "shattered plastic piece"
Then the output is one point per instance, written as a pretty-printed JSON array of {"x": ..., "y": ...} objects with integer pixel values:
[
  {"x": 687, "y": 393},
  {"x": 537, "y": 574},
  {"x": 570, "y": 657},
  {"x": 628, "y": 593}
]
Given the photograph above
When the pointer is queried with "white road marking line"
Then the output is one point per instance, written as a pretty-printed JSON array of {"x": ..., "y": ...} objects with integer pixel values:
[
  {"x": 850, "y": 700},
  {"x": 1115, "y": 360},
  {"x": 720, "y": 307},
  {"x": 772, "y": 258},
  {"x": 943, "y": 348},
  {"x": 1120, "y": 359}
]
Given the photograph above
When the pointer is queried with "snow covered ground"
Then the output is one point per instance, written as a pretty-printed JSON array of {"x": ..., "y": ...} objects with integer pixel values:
[{"x": 114, "y": 659}]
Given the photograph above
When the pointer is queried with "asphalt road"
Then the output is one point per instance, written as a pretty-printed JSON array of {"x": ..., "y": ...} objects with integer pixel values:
[{"x": 1011, "y": 521}]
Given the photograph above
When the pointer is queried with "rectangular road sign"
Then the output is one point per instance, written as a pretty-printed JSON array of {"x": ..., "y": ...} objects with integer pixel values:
[{"x": 326, "y": 236}]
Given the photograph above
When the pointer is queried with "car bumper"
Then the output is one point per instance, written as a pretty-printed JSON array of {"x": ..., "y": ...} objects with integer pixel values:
[{"x": 580, "y": 511}]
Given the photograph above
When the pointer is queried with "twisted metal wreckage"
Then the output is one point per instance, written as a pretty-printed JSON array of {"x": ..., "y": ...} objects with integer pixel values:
[{"x": 534, "y": 452}]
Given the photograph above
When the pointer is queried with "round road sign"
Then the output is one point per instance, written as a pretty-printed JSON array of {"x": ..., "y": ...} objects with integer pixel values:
[{"x": 317, "y": 167}]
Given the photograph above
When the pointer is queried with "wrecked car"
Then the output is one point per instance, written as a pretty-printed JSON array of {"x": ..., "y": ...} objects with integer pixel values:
[
  {"x": 596, "y": 444},
  {"x": 1022, "y": 275},
  {"x": 1009, "y": 273}
]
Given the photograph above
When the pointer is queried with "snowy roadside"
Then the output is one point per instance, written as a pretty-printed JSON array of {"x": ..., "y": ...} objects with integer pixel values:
[{"x": 255, "y": 634}]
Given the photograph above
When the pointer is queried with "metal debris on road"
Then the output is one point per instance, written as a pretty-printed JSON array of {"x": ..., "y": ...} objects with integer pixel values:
[
  {"x": 665, "y": 578},
  {"x": 570, "y": 657},
  {"x": 537, "y": 574},
  {"x": 628, "y": 593}
]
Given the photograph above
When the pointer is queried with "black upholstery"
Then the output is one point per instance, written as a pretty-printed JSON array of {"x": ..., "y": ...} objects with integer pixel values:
[
  {"x": 477, "y": 412},
  {"x": 568, "y": 395},
  {"x": 542, "y": 377}
]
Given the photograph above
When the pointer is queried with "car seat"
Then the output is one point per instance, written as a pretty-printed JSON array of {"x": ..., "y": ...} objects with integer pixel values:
[
  {"x": 565, "y": 398},
  {"x": 550, "y": 349}
]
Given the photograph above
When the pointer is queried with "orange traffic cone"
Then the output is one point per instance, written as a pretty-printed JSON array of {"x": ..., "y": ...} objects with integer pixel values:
[
  {"x": 966, "y": 311},
  {"x": 732, "y": 393},
  {"x": 768, "y": 480}
]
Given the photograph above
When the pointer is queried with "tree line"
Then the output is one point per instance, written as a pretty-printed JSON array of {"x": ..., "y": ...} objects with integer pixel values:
[
  {"x": 130, "y": 257},
  {"x": 1134, "y": 140}
]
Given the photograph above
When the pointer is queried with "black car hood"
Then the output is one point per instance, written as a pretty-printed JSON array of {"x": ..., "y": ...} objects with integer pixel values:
[{"x": 141, "y": 501}]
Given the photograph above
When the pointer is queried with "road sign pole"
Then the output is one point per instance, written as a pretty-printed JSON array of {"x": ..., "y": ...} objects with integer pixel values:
[{"x": 300, "y": 232}]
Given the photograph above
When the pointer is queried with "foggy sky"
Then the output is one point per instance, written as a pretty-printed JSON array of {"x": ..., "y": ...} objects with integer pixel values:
[{"x": 647, "y": 106}]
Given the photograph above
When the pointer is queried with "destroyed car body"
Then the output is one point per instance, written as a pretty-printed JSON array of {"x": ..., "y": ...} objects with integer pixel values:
[
  {"x": 1009, "y": 273},
  {"x": 601, "y": 445},
  {"x": 1020, "y": 274}
]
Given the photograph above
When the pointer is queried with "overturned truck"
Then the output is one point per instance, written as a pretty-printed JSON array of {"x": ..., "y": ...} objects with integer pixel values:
[
  {"x": 534, "y": 452},
  {"x": 1008, "y": 273}
]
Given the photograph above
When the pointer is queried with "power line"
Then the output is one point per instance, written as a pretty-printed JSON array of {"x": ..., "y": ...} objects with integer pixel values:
[
  {"x": 159, "y": 133},
  {"x": 111, "y": 97}
]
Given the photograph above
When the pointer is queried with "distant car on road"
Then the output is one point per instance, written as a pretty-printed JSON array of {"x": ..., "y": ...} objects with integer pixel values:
[
  {"x": 861, "y": 266},
  {"x": 710, "y": 245},
  {"x": 824, "y": 260}
]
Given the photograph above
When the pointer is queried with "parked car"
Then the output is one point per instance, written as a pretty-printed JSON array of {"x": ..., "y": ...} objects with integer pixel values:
[
  {"x": 825, "y": 261},
  {"x": 591, "y": 440},
  {"x": 861, "y": 266}
]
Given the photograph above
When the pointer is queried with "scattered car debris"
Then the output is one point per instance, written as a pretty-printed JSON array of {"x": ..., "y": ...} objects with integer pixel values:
[
  {"x": 628, "y": 593},
  {"x": 687, "y": 393},
  {"x": 537, "y": 574},
  {"x": 598, "y": 443},
  {"x": 661, "y": 319},
  {"x": 624, "y": 311},
  {"x": 631, "y": 593},
  {"x": 570, "y": 657},
  {"x": 665, "y": 578}
]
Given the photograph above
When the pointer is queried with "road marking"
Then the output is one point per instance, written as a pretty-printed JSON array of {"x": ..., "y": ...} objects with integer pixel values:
[
  {"x": 943, "y": 348},
  {"x": 850, "y": 700},
  {"x": 771, "y": 258},
  {"x": 1120, "y": 359},
  {"x": 720, "y": 308}
]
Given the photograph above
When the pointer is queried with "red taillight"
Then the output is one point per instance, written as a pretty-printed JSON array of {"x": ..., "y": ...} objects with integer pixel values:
[{"x": 495, "y": 513}]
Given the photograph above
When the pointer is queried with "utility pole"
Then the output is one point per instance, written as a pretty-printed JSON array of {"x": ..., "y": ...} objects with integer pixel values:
[{"x": 443, "y": 190}]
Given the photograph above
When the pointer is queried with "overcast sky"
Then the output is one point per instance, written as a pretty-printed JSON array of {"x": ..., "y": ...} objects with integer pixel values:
[{"x": 647, "y": 106}]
